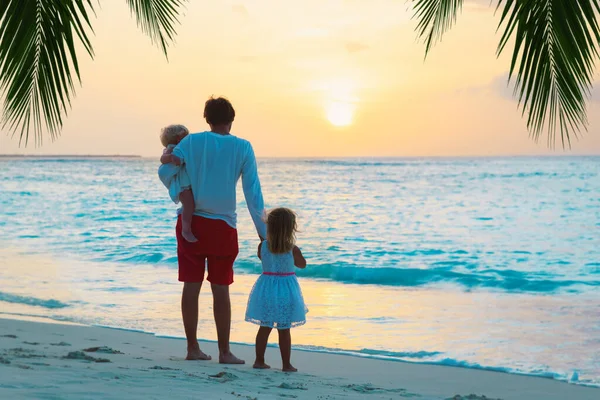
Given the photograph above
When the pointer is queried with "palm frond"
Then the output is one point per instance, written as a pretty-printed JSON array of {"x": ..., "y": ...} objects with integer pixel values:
[
  {"x": 37, "y": 57},
  {"x": 157, "y": 18},
  {"x": 553, "y": 61},
  {"x": 435, "y": 17}
]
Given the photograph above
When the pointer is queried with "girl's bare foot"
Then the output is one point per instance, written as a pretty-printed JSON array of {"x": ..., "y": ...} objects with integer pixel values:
[
  {"x": 261, "y": 365},
  {"x": 289, "y": 368},
  {"x": 229, "y": 358},
  {"x": 189, "y": 236}
]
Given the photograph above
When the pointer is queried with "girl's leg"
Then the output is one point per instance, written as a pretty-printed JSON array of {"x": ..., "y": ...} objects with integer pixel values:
[
  {"x": 187, "y": 201},
  {"x": 262, "y": 338},
  {"x": 285, "y": 346}
]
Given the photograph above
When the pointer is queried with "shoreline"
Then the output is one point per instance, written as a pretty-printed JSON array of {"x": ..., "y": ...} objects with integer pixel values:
[
  {"x": 386, "y": 356},
  {"x": 145, "y": 365}
]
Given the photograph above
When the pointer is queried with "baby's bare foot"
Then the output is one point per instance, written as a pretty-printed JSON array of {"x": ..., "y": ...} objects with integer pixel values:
[
  {"x": 197, "y": 354},
  {"x": 229, "y": 358},
  {"x": 261, "y": 365},
  {"x": 189, "y": 236},
  {"x": 289, "y": 368}
]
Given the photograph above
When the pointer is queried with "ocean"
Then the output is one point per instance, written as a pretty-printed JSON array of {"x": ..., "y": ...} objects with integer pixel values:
[{"x": 475, "y": 262}]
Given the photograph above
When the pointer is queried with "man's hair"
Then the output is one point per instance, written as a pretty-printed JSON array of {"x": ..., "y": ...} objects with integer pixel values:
[{"x": 218, "y": 111}]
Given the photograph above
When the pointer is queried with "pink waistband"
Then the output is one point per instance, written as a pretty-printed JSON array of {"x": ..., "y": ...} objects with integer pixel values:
[{"x": 279, "y": 273}]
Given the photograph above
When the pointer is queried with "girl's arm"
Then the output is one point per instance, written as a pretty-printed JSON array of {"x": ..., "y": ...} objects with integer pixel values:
[
  {"x": 258, "y": 252},
  {"x": 299, "y": 260}
]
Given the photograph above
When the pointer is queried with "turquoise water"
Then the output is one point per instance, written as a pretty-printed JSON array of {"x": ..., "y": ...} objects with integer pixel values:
[{"x": 474, "y": 262}]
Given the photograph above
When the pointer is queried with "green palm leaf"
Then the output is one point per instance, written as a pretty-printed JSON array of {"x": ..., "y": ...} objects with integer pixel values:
[
  {"x": 435, "y": 17},
  {"x": 553, "y": 62},
  {"x": 556, "y": 47},
  {"x": 37, "y": 55},
  {"x": 157, "y": 18}
]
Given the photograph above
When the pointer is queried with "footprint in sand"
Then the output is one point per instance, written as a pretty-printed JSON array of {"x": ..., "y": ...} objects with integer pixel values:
[
  {"x": 224, "y": 377},
  {"x": 40, "y": 364},
  {"x": 244, "y": 396},
  {"x": 102, "y": 349},
  {"x": 368, "y": 388},
  {"x": 164, "y": 368},
  {"x": 292, "y": 386},
  {"x": 80, "y": 355},
  {"x": 20, "y": 352}
]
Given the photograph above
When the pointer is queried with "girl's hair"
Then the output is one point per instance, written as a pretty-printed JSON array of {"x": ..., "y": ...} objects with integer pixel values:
[
  {"x": 281, "y": 230},
  {"x": 173, "y": 134}
]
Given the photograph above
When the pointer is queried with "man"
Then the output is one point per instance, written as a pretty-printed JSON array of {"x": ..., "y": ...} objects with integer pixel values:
[{"x": 215, "y": 160}]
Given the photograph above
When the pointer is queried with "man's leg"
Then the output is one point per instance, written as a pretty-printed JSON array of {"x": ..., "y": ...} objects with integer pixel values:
[
  {"x": 189, "y": 312},
  {"x": 222, "y": 311}
]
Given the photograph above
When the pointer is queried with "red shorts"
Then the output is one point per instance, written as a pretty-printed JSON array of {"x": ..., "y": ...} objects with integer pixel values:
[{"x": 217, "y": 245}]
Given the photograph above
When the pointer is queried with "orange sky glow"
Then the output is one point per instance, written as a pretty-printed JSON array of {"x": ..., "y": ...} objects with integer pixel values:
[{"x": 317, "y": 78}]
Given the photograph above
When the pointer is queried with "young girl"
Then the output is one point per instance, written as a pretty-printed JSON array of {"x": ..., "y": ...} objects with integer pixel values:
[
  {"x": 179, "y": 184},
  {"x": 276, "y": 299}
]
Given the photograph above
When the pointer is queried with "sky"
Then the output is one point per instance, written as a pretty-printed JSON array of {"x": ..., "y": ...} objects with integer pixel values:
[{"x": 317, "y": 78}]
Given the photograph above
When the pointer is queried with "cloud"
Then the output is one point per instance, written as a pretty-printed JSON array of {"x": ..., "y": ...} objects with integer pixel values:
[
  {"x": 503, "y": 88},
  {"x": 355, "y": 47},
  {"x": 596, "y": 92},
  {"x": 240, "y": 10},
  {"x": 311, "y": 32},
  {"x": 480, "y": 5},
  {"x": 247, "y": 58}
]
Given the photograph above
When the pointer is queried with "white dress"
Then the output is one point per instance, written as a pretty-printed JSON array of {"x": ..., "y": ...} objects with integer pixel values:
[
  {"x": 175, "y": 178},
  {"x": 276, "y": 299}
]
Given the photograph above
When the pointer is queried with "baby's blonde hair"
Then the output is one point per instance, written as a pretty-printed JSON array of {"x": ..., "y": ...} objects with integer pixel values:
[{"x": 173, "y": 134}]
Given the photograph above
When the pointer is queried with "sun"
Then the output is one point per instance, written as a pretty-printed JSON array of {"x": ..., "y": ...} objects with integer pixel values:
[{"x": 340, "y": 113}]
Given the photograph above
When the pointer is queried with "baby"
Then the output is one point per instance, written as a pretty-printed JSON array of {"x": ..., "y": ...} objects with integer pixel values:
[{"x": 179, "y": 185}]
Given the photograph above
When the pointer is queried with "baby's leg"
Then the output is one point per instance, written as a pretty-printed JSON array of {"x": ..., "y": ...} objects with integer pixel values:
[
  {"x": 285, "y": 347},
  {"x": 187, "y": 201},
  {"x": 262, "y": 338}
]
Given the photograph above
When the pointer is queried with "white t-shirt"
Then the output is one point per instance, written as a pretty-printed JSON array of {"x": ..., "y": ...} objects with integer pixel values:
[{"x": 214, "y": 164}]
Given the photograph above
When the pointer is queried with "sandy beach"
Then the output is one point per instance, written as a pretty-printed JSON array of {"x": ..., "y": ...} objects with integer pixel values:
[{"x": 43, "y": 360}]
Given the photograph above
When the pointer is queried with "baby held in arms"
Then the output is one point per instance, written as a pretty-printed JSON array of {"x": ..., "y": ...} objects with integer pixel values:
[{"x": 179, "y": 186}]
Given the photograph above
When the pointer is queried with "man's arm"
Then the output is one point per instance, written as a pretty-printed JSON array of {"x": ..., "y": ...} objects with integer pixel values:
[
  {"x": 170, "y": 159},
  {"x": 180, "y": 152},
  {"x": 253, "y": 192}
]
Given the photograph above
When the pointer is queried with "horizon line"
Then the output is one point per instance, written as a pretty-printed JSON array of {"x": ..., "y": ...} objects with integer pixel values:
[{"x": 310, "y": 157}]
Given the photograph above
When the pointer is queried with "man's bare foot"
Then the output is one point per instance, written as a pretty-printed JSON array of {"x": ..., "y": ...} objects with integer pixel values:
[
  {"x": 261, "y": 365},
  {"x": 189, "y": 236},
  {"x": 197, "y": 354},
  {"x": 229, "y": 358},
  {"x": 289, "y": 368}
]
